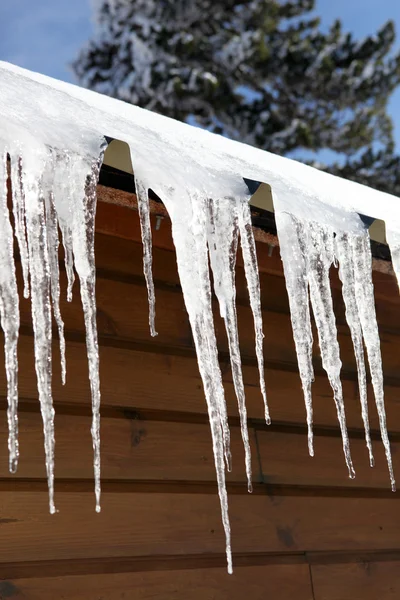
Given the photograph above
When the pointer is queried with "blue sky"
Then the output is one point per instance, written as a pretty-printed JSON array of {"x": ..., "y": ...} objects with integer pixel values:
[{"x": 45, "y": 35}]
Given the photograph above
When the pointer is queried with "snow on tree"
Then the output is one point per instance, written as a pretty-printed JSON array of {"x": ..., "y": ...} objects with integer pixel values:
[{"x": 263, "y": 72}]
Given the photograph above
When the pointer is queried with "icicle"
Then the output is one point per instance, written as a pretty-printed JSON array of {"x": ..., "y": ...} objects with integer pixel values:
[
  {"x": 307, "y": 252},
  {"x": 204, "y": 317},
  {"x": 292, "y": 248},
  {"x": 253, "y": 283},
  {"x": 76, "y": 221},
  {"x": 319, "y": 255},
  {"x": 52, "y": 244},
  {"x": 39, "y": 267},
  {"x": 222, "y": 243},
  {"x": 145, "y": 227},
  {"x": 83, "y": 210},
  {"x": 89, "y": 308},
  {"x": 9, "y": 313},
  {"x": 19, "y": 218},
  {"x": 344, "y": 254},
  {"x": 366, "y": 309},
  {"x": 189, "y": 230},
  {"x": 63, "y": 180},
  {"x": 68, "y": 258}
]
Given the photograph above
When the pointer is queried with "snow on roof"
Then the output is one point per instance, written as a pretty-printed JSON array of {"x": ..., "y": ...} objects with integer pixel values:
[{"x": 70, "y": 116}]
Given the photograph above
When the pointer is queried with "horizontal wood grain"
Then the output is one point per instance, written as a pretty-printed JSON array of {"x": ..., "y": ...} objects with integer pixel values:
[
  {"x": 128, "y": 381},
  {"x": 278, "y": 581},
  {"x": 122, "y": 222},
  {"x": 285, "y": 460},
  {"x": 125, "y": 263},
  {"x": 122, "y": 309},
  {"x": 144, "y": 524},
  {"x": 135, "y": 449},
  {"x": 126, "y": 259},
  {"x": 119, "y": 204},
  {"x": 366, "y": 580},
  {"x": 130, "y": 449}
]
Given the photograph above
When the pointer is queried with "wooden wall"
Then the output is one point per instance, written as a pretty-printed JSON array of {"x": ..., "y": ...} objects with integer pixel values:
[{"x": 307, "y": 531}]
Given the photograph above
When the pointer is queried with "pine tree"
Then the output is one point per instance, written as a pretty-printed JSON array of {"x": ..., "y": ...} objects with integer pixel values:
[{"x": 259, "y": 71}]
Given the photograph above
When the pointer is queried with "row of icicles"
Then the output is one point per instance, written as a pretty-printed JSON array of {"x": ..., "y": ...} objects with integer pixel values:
[
  {"x": 59, "y": 192},
  {"x": 40, "y": 182}
]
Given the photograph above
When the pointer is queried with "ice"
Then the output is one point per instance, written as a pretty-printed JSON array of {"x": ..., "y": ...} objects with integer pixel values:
[
  {"x": 362, "y": 258},
  {"x": 253, "y": 283},
  {"x": 54, "y": 133},
  {"x": 308, "y": 250},
  {"x": 52, "y": 244},
  {"x": 81, "y": 175},
  {"x": 9, "y": 313},
  {"x": 294, "y": 258},
  {"x": 68, "y": 258},
  {"x": 344, "y": 254},
  {"x": 19, "y": 218},
  {"x": 319, "y": 257},
  {"x": 145, "y": 227},
  {"x": 223, "y": 234},
  {"x": 49, "y": 188},
  {"x": 33, "y": 167},
  {"x": 189, "y": 230}
]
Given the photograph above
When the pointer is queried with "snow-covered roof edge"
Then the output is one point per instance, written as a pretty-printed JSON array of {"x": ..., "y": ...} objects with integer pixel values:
[{"x": 295, "y": 186}]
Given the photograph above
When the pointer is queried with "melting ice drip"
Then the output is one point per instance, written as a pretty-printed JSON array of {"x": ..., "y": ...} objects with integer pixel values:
[
  {"x": 308, "y": 250},
  {"x": 41, "y": 181}
]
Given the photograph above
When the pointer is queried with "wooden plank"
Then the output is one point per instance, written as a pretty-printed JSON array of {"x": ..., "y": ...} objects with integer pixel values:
[
  {"x": 143, "y": 524},
  {"x": 285, "y": 460},
  {"x": 118, "y": 221},
  {"x": 122, "y": 311},
  {"x": 150, "y": 450},
  {"x": 123, "y": 316},
  {"x": 112, "y": 219},
  {"x": 366, "y": 580},
  {"x": 130, "y": 449},
  {"x": 116, "y": 257},
  {"x": 127, "y": 380},
  {"x": 119, "y": 259},
  {"x": 277, "y": 581}
]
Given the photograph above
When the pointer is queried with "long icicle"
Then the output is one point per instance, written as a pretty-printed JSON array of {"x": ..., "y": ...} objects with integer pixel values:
[
  {"x": 63, "y": 186},
  {"x": 344, "y": 254},
  {"x": 82, "y": 231},
  {"x": 199, "y": 227},
  {"x": 189, "y": 230},
  {"x": 52, "y": 244},
  {"x": 253, "y": 283},
  {"x": 364, "y": 288},
  {"x": 293, "y": 254},
  {"x": 9, "y": 313},
  {"x": 223, "y": 235},
  {"x": 39, "y": 268},
  {"x": 145, "y": 227},
  {"x": 320, "y": 255},
  {"x": 19, "y": 218},
  {"x": 207, "y": 345}
]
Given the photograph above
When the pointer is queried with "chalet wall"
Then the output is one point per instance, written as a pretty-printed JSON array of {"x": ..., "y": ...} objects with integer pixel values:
[{"x": 307, "y": 531}]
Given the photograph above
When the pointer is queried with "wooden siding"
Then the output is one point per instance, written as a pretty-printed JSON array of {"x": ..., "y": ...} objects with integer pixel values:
[{"x": 307, "y": 531}]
